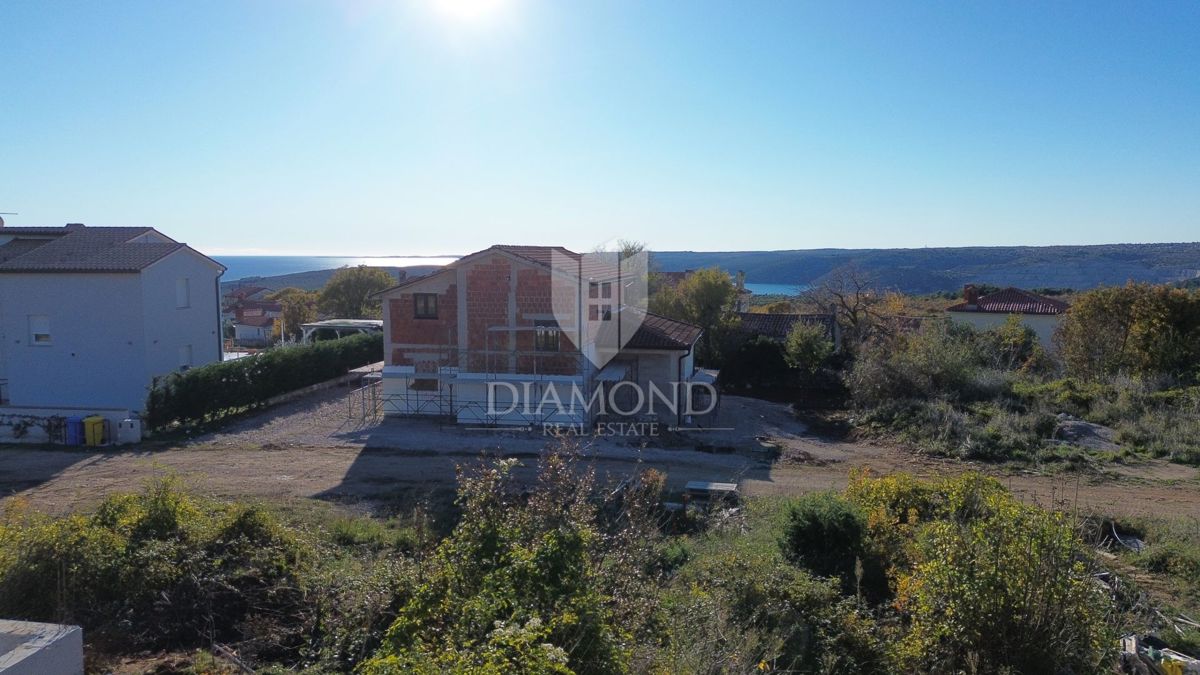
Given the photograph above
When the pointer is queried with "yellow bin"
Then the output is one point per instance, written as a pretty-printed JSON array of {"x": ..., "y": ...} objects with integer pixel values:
[{"x": 93, "y": 430}]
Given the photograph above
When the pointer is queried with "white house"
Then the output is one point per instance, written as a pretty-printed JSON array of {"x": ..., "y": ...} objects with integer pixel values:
[
  {"x": 254, "y": 331},
  {"x": 89, "y": 316},
  {"x": 1039, "y": 313}
]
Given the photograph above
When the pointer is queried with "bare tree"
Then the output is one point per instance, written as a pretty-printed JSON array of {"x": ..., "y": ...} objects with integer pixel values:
[{"x": 852, "y": 295}]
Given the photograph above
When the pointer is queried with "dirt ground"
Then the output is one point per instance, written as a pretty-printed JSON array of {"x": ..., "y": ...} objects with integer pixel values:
[{"x": 312, "y": 448}]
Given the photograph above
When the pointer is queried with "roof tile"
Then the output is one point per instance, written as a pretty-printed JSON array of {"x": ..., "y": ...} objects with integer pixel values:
[{"x": 1013, "y": 301}]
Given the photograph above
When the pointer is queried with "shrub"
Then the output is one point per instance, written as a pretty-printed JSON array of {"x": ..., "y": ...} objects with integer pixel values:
[
  {"x": 1007, "y": 591},
  {"x": 738, "y": 606},
  {"x": 808, "y": 348},
  {"x": 825, "y": 535},
  {"x": 938, "y": 362},
  {"x": 760, "y": 362},
  {"x": 210, "y": 391},
  {"x": 521, "y": 585},
  {"x": 984, "y": 583},
  {"x": 158, "y": 569}
]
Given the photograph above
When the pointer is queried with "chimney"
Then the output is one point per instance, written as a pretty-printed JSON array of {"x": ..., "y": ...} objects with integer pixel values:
[
  {"x": 741, "y": 280},
  {"x": 971, "y": 294},
  {"x": 401, "y": 275},
  {"x": 74, "y": 226}
]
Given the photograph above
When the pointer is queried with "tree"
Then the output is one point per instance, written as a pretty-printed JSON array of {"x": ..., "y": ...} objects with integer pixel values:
[
  {"x": 706, "y": 298},
  {"x": 348, "y": 293},
  {"x": 855, "y": 300},
  {"x": 299, "y": 307},
  {"x": 1136, "y": 329},
  {"x": 807, "y": 348}
]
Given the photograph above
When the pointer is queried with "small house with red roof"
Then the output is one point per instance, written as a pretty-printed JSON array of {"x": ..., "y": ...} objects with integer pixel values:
[{"x": 1038, "y": 312}]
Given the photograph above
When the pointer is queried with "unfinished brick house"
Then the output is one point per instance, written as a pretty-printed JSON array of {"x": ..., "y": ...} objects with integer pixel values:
[{"x": 513, "y": 335}]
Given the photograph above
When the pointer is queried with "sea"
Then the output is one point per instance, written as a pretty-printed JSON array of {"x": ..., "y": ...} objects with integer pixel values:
[{"x": 243, "y": 266}]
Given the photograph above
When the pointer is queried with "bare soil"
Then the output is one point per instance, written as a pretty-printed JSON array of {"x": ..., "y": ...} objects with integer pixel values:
[{"x": 311, "y": 448}]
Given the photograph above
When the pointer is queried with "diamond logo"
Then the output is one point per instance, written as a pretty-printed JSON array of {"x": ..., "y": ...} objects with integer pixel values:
[{"x": 600, "y": 300}]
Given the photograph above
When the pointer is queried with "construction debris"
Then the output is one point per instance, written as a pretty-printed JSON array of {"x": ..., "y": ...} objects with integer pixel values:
[{"x": 1149, "y": 656}]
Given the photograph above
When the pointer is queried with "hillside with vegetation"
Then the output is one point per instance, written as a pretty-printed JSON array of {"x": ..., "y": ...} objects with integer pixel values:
[
  {"x": 568, "y": 575},
  {"x": 927, "y": 270}
]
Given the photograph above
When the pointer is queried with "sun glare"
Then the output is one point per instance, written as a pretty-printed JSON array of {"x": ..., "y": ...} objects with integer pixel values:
[{"x": 468, "y": 10}]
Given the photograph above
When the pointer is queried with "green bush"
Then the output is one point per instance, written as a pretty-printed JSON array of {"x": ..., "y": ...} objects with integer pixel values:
[
  {"x": 825, "y": 535},
  {"x": 157, "y": 569},
  {"x": 808, "y": 348},
  {"x": 738, "y": 606},
  {"x": 520, "y": 585},
  {"x": 985, "y": 584},
  {"x": 207, "y": 392},
  {"x": 761, "y": 362}
]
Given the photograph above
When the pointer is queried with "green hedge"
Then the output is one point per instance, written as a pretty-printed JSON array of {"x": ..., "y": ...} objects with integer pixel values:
[{"x": 210, "y": 391}]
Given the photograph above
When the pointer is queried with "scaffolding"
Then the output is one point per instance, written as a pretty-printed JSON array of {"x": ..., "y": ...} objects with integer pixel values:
[{"x": 488, "y": 387}]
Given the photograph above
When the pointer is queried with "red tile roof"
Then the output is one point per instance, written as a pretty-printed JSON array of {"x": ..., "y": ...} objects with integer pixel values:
[
  {"x": 257, "y": 321},
  {"x": 542, "y": 255},
  {"x": 778, "y": 326},
  {"x": 659, "y": 332},
  {"x": 1013, "y": 301}
]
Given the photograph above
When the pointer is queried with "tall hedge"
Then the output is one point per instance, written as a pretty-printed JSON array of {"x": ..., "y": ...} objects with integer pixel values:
[{"x": 207, "y": 392}]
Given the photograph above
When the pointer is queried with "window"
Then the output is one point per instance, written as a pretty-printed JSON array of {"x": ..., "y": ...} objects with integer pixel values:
[
  {"x": 546, "y": 336},
  {"x": 185, "y": 357},
  {"x": 183, "y": 293},
  {"x": 425, "y": 305},
  {"x": 593, "y": 290},
  {"x": 606, "y": 289},
  {"x": 599, "y": 312},
  {"x": 39, "y": 329}
]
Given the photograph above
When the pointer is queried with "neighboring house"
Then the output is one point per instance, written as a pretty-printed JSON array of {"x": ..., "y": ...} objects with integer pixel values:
[
  {"x": 89, "y": 316},
  {"x": 487, "y": 323},
  {"x": 234, "y": 299},
  {"x": 1038, "y": 312},
  {"x": 779, "y": 326},
  {"x": 254, "y": 331}
]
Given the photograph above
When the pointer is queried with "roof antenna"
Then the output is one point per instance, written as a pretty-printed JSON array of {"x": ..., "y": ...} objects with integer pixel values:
[{"x": 6, "y": 213}]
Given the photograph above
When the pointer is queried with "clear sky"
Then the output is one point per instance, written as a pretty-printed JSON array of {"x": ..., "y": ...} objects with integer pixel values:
[{"x": 396, "y": 127}]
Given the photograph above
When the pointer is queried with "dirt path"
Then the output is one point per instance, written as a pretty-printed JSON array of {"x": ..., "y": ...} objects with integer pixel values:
[{"x": 309, "y": 451}]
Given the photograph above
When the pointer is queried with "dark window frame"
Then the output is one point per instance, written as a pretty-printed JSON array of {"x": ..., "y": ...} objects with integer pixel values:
[{"x": 425, "y": 305}]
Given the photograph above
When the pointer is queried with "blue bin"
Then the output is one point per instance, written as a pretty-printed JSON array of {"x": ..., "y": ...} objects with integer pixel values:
[{"x": 74, "y": 431}]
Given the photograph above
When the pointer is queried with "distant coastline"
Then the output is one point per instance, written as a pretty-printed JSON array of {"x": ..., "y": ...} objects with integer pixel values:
[
  {"x": 241, "y": 267},
  {"x": 906, "y": 270}
]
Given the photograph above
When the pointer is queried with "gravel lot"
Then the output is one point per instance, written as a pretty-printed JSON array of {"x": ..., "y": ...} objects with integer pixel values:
[{"x": 310, "y": 448}]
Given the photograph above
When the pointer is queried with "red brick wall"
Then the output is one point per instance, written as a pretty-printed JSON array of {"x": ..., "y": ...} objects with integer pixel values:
[
  {"x": 407, "y": 329},
  {"x": 487, "y": 286}
]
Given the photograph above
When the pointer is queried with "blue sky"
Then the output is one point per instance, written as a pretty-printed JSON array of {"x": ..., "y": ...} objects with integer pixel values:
[{"x": 373, "y": 127}]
